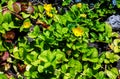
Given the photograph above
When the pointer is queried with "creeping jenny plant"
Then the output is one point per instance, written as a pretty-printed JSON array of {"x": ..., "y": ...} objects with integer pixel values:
[{"x": 69, "y": 41}]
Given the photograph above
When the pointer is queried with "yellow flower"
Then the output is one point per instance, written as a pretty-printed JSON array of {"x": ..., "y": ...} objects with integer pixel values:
[
  {"x": 78, "y": 31},
  {"x": 79, "y": 5},
  {"x": 26, "y": 25},
  {"x": 83, "y": 15},
  {"x": 48, "y": 7},
  {"x": 49, "y": 14}
]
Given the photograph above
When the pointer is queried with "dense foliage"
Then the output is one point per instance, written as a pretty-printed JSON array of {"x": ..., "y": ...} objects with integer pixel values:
[{"x": 58, "y": 40}]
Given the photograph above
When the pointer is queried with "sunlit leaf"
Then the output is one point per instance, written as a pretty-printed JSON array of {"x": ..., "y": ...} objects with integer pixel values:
[
  {"x": 10, "y": 3},
  {"x": 108, "y": 29},
  {"x": 40, "y": 68},
  {"x": 7, "y": 17},
  {"x": 100, "y": 75},
  {"x": 3, "y": 76},
  {"x": 110, "y": 74}
]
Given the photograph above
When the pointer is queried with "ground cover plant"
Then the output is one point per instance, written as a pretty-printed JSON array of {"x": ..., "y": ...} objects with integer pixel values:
[{"x": 69, "y": 39}]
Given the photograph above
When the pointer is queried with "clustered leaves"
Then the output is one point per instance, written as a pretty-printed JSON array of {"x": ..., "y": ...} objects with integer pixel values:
[{"x": 40, "y": 42}]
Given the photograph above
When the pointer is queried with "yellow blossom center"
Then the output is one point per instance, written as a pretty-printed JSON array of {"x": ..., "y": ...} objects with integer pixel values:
[
  {"x": 77, "y": 31},
  {"x": 26, "y": 24},
  {"x": 79, "y": 5},
  {"x": 49, "y": 14},
  {"x": 48, "y": 7}
]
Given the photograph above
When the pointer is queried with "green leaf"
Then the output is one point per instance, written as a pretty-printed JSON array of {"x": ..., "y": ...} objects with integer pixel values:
[
  {"x": 60, "y": 56},
  {"x": 44, "y": 56},
  {"x": 109, "y": 55},
  {"x": 2, "y": 30},
  {"x": 42, "y": 37},
  {"x": 94, "y": 60},
  {"x": 88, "y": 72},
  {"x": 27, "y": 73},
  {"x": 102, "y": 57},
  {"x": 115, "y": 71},
  {"x": 108, "y": 29},
  {"x": 101, "y": 37},
  {"x": 66, "y": 76},
  {"x": 40, "y": 8},
  {"x": 1, "y": 18},
  {"x": 100, "y": 75},
  {"x": 5, "y": 26},
  {"x": 88, "y": 53},
  {"x": 62, "y": 20},
  {"x": 110, "y": 74},
  {"x": 93, "y": 35},
  {"x": 56, "y": 18},
  {"x": 72, "y": 72},
  {"x": 32, "y": 58},
  {"x": 64, "y": 30},
  {"x": 116, "y": 57},
  {"x": 94, "y": 53},
  {"x": 64, "y": 68},
  {"x": 34, "y": 74},
  {"x": 66, "y": 2},
  {"x": 1, "y": 46},
  {"x": 106, "y": 61},
  {"x": 47, "y": 64},
  {"x": 71, "y": 62},
  {"x": 35, "y": 62},
  {"x": 34, "y": 15},
  {"x": 67, "y": 15},
  {"x": 116, "y": 45},
  {"x": 3, "y": 1},
  {"x": 40, "y": 68},
  {"x": 25, "y": 15},
  {"x": 78, "y": 45},
  {"x": 10, "y": 3},
  {"x": 35, "y": 32},
  {"x": 40, "y": 44},
  {"x": 100, "y": 27},
  {"x": 58, "y": 28},
  {"x": 76, "y": 64},
  {"x": 118, "y": 3},
  {"x": 96, "y": 66},
  {"x": 19, "y": 53},
  {"x": 116, "y": 42},
  {"x": 34, "y": 55},
  {"x": 46, "y": 33},
  {"x": 74, "y": 8},
  {"x": 85, "y": 66},
  {"x": 11, "y": 25},
  {"x": 58, "y": 35},
  {"x": 84, "y": 57},
  {"x": 3, "y": 76},
  {"x": 7, "y": 17},
  {"x": 69, "y": 45},
  {"x": 80, "y": 77}
]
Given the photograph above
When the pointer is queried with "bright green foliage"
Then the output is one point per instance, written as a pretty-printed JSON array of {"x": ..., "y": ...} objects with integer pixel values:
[
  {"x": 2, "y": 76},
  {"x": 51, "y": 47}
]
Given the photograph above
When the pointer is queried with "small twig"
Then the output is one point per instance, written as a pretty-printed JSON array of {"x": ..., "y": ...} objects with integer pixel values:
[
  {"x": 18, "y": 16},
  {"x": 15, "y": 57},
  {"x": 105, "y": 66}
]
